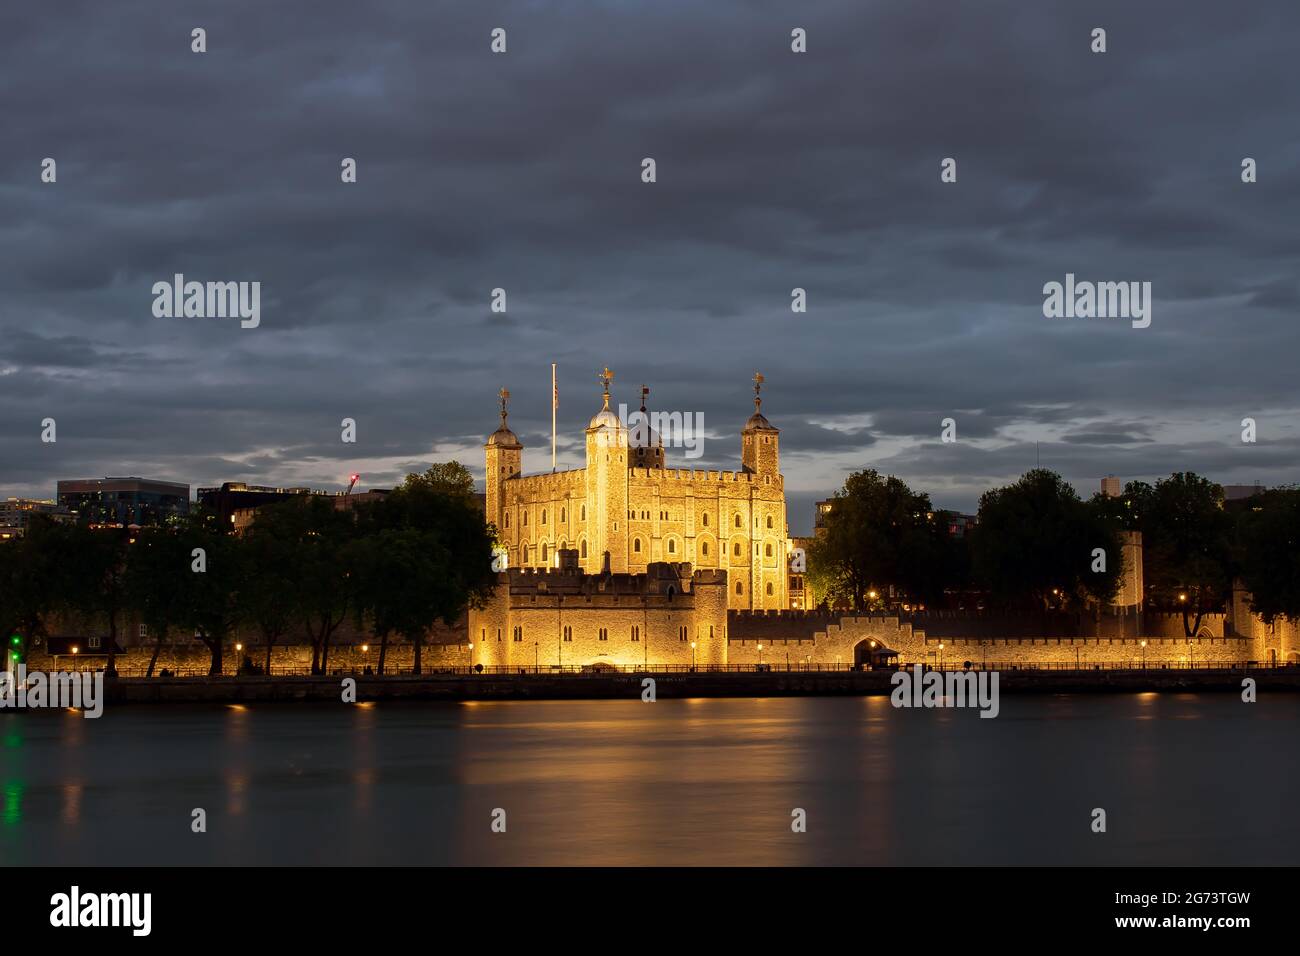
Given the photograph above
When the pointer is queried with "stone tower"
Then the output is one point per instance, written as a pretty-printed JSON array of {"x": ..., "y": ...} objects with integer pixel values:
[
  {"x": 607, "y": 490},
  {"x": 505, "y": 458},
  {"x": 759, "y": 442}
]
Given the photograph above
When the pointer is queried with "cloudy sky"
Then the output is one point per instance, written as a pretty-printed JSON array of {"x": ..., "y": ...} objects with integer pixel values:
[{"x": 775, "y": 170}]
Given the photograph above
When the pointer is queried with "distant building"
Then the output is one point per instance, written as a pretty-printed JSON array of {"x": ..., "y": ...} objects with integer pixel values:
[
  {"x": 16, "y": 514},
  {"x": 1111, "y": 487},
  {"x": 236, "y": 503},
  {"x": 235, "y": 496},
  {"x": 124, "y": 501}
]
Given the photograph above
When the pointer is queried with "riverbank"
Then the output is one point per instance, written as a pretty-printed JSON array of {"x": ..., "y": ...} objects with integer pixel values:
[{"x": 622, "y": 686}]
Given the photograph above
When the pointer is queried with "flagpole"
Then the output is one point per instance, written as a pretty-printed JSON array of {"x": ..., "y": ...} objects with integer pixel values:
[{"x": 555, "y": 400}]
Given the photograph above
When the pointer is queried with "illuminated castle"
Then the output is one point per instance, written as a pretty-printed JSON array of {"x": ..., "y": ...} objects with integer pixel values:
[{"x": 625, "y": 510}]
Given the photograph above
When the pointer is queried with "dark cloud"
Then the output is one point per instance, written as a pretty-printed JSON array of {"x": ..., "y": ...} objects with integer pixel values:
[{"x": 521, "y": 171}]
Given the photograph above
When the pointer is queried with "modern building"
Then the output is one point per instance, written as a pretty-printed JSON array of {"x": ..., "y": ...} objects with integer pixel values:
[
  {"x": 625, "y": 510},
  {"x": 16, "y": 514},
  {"x": 124, "y": 501}
]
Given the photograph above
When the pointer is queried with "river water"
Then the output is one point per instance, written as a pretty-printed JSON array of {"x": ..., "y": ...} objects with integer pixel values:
[{"x": 1183, "y": 778}]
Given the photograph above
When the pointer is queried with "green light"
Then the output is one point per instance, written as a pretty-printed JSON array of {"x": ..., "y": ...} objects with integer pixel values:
[{"x": 14, "y": 640}]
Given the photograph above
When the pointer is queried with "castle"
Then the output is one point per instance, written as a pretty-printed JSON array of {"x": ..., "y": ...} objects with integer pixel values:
[{"x": 625, "y": 510}]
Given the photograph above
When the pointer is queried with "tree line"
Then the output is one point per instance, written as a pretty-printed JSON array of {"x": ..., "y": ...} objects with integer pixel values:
[
  {"x": 1036, "y": 546},
  {"x": 394, "y": 566}
]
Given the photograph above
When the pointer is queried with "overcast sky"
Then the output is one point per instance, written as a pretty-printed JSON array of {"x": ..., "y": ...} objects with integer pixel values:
[{"x": 775, "y": 170}]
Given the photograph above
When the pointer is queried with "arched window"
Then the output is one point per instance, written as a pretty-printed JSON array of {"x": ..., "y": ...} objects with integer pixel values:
[
  {"x": 584, "y": 548},
  {"x": 672, "y": 546},
  {"x": 636, "y": 545},
  {"x": 704, "y": 549},
  {"x": 582, "y": 515},
  {"x": 735, "y": 549},
  {"x": 769, "y": 588},
  {"x": 525, "y": 519},
  {"x": 737, "y": 519},
  {"x": 507, "y": 519},
  {"x": 769, "y": 521},
  {"x": 740, "y": 588},
  {"x": 543, "y": 516},
  {"x": 706, "y": 519},
  {"x": 543, "y": 554},
  {"x": 563, "y": 512},
  {"x": 768, "y": 549}
]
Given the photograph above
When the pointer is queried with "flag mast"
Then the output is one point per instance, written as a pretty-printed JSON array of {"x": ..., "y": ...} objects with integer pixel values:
[{"x": 555, "y": 403}]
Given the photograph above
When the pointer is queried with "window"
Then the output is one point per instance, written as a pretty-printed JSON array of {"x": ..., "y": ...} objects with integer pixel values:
[
  {"x": 568, "y": 632},
  {"x": 737, "y": 519},
  {"x": 518, "y": 633},
  {"x": 769, "y": 521},
  {"x": 144, "y": 630},
  {"x": 735, "y": 549},
  {"x": 498, "y": 635},
  {"x": 636, "y": 632},
  {"x": 704, "y": 549},
  {"x": 543, "y": 516},
  {"x": 507, "y": 519},
  {"x": 483, "y": 636},
  {"x": 562, "y": 515},
  {"x": 604, "y": 634},
  {"x": 769, "y": 588},
  {"x": 94, "y": 642},
  {"x": 706, "y": 519},
  {"x": 672, "y": 546},
  {"x": 544, "y": 548},
  {"x": 584, "y": 549},
  {"x": 740, "y": 588},
  {"x": 768, "y": 550},
  {"x": 583, "y": 514},
  {"x": 525, "y": 519},
  {"x": 682, "y": 633},
  {"x": 636, "y": 545},
  {"x": 710, "y": 632}
]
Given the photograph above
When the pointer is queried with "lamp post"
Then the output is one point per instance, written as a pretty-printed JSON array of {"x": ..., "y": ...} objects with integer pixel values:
[
  {"x": 940, "y": 655},
  {"x": 1144, "y": 655},
  {"x": 239, "y": 649},
  {"x": 535, "y": 664},
  {"x": 471, "y": 655},
  {"x": 760, "y": 655},
  {"x": 692, "y": 655}
]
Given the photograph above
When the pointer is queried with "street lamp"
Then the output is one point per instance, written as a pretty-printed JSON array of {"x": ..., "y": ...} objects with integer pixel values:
[
  {"x": 535, "y": 664},
  {"x": 471, "y": 655},
  {"x": 1144, "y": 654},
  {"x": 760, "y": 655},
  {"x": 940, "y": 655},
  {"x": 692, "y": 655}
]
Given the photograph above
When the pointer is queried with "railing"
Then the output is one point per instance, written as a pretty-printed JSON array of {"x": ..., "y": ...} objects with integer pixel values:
[{"x": 775, "y": 667}]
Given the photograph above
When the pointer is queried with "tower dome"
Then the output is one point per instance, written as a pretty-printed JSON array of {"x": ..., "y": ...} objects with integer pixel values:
[{"x": 503, "y": 437}]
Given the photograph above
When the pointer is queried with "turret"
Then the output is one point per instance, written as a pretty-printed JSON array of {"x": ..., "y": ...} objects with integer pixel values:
[
  {"x": 760, "y": 441},
  {"x": 505, "y": 456}
]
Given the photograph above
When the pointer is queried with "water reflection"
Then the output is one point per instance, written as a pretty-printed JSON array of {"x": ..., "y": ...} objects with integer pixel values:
[{"x": 687, "y": 782}]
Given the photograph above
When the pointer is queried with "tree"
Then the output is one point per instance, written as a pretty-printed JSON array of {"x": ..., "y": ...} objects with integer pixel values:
[
  {"x": 32, "y": 581},
  {"x": 317, "y": 541},
  {"x": 156, "y": 566},
  {"x": 879, "y": 534},
  {"x": 268, "y": 593},
  {"x": 210, "y": 598},
  {"x": 427, "y": 557},
  {"x": 1268, "y": 536},
  {"x": 451, "y": 478},
  {"x": 1186, "y": 545},
  {"x": 95, "y": 575},
  {"x": 1035, "y": 545}
]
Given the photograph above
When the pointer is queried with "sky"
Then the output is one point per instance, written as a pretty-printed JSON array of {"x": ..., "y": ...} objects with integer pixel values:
[{"x": 775, "y": 170}]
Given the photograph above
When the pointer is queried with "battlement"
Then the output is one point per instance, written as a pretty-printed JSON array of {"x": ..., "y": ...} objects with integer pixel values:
[{"x": 661, "y": 578}]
